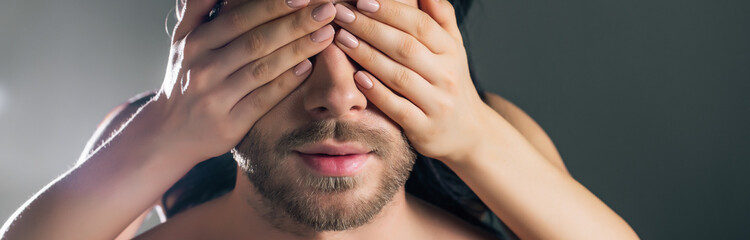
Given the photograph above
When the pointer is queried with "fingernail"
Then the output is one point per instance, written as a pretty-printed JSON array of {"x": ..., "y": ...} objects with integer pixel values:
[
  {"x": 344, "y": 14},
  {"x": 323, "y": 12},
  {"x": 347, "y": 39},
  {"x": 368, "y": 5},
  {"x": 297, "y": 3},
  {"x": 363, "y": 80},
  {"x": 322, "y": 34},
  {"x": 302, "y": 67}
]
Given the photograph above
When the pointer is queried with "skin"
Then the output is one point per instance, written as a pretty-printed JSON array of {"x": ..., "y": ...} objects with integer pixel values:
[{"x": 218, "y": 86}]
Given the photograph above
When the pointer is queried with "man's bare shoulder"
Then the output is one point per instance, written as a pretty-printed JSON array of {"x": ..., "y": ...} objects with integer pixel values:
[
  {"x": 178, "y": 227},
  {"x": 194, "y": 223},
  {"x": 443, "y": 225}
]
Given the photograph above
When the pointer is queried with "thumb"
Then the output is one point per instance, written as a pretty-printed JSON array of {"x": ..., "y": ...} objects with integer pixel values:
[{"x": 444, "y": 14}]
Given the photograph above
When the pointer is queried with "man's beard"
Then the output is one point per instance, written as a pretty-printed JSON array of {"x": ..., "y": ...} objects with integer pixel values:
[{"x": 308, "y": 199}]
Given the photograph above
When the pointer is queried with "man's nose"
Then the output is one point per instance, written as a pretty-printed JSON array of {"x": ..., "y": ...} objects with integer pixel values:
[{"x": 330, "y": 91}]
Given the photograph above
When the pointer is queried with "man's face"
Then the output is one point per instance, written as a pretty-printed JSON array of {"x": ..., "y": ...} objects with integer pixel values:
[{"x": 325, "y": 157}]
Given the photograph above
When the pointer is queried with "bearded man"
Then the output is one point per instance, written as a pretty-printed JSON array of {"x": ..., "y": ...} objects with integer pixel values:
[{"x": 325, "y": 107}]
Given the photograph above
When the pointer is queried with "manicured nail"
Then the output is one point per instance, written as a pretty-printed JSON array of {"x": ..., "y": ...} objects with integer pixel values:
[
  {"x": 344, "y": 14},
  {"x": 297, "y": 3},
  {"x": 368, "y": 5},
  {"x": 302, "y": 67},
  {"x": 323, "y": 12},
  {"x": 363, "y": 80},
  {"x": 322, "y": 34},
  {"x": 347, "y": 39}
]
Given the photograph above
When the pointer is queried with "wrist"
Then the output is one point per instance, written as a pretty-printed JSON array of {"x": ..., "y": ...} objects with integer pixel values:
[
  {"x": 147, "y": 135},
  {"x": 486, "y": 140}
]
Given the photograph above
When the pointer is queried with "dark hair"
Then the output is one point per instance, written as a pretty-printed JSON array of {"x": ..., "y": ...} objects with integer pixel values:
[{"x": 430, "y": 179}]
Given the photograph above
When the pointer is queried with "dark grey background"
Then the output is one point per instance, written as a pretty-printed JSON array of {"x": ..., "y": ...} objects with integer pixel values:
[{"x": 647, "y": 101}]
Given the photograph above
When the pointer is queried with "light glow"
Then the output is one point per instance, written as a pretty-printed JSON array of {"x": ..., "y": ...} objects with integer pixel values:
[{"x": 3, "y": 99}]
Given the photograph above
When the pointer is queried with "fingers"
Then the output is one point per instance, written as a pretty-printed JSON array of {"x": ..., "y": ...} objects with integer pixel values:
[
  {"x": 267, "y": 68},
  {"x": 399, "y": 109},
  {"x": 408, "y": 19},
  {"x": 232, "y": 23},
  {"x": 398, "y": 45},
  {"x": 254, "y": 105},
  {"x": 193, "y": 13},
  {"x": 396, "y": 76},
  {"x": 270, "y": 36}
]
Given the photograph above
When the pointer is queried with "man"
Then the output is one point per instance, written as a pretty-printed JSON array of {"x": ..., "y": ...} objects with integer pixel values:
[{"x": 323, "y": 150}]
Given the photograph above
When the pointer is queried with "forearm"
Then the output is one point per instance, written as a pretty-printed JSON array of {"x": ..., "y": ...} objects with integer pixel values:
[
  {"x": 100, "y": 197},
  {"x": 533, "y": 197}
]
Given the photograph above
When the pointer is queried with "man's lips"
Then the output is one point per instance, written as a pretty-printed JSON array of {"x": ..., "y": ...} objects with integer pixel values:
[
  {"x": 333, "y": 149},
  {"x": 334, "y": 159}
]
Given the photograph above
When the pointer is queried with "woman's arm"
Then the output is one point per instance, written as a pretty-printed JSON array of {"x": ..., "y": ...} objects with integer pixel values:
[
  {"x": 109, "y": 125},
  {"x": 529, "y": 192},
  {"x": 527, "y": 127},
  {"x": 541, "y": 182},
  {"x": 101, "y": 196}
]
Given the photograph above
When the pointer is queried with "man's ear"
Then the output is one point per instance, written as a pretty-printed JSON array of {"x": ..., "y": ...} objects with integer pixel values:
[{"x": 444, "y": 14}]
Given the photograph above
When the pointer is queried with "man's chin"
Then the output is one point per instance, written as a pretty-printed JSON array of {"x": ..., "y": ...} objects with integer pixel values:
[{"x": 337, "y": 211}]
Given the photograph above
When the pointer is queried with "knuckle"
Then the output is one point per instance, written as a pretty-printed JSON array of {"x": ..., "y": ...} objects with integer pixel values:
[
  {"x": 451, "y": 85},
  {"x": 299, "y": 21},
  {"x": 368, "y": 28},
  {"x": 395, "y": 11},
  {"x": 236, "y": 20},
  {"x": 444, "y": 105},
  {"x": 423, "y": 26},
  {"x": 253, "y": 43},
  {"x": 272, "y": 6},
  {"x": 298, "y": 49},
  {"x": 400, "y": 79},
  {"x": 189, "y": 45},
  {"x": 401, "y": 116},
  {"x": 259, "y": 70},
  {"x": 200, "y": 71},
  {"x": 371, "y": 57},
  {"x": 282, "y": 84},
  {"x": 207, "y": 105},
  {"x": 407, "y": 48}
]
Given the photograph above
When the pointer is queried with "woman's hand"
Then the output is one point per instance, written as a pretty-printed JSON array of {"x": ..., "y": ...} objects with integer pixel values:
[
  {"x": 422, "y": 72},
  {"x": 225, "y": 74}
]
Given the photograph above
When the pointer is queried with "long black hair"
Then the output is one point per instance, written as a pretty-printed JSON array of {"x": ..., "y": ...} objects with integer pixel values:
[{"x": 430, "y": 179}]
